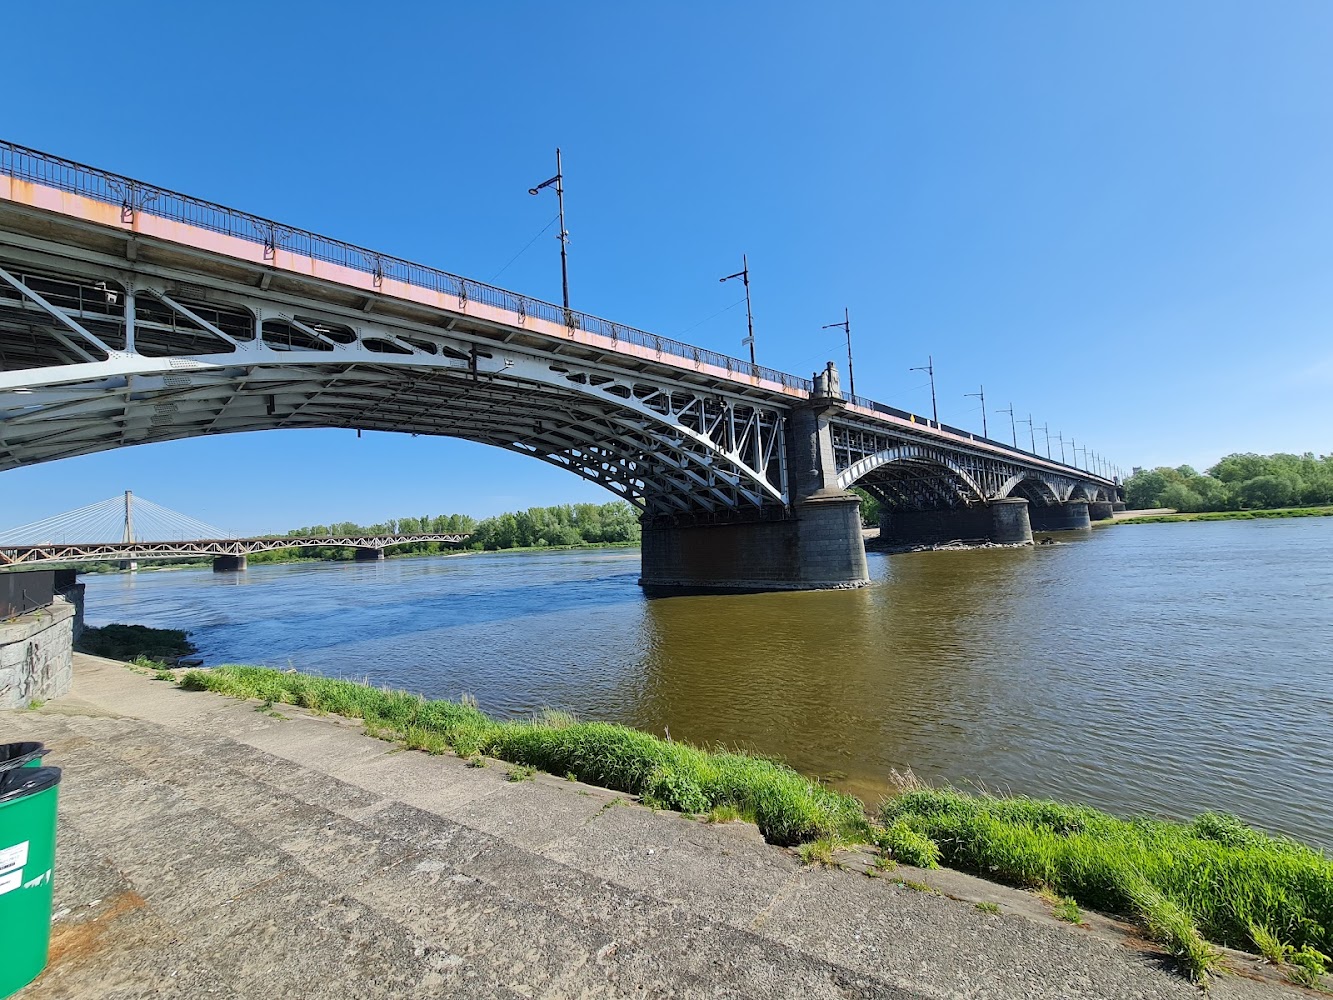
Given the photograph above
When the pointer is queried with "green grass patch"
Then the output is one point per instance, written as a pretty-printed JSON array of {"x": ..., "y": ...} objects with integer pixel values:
[
  {"x": 787, "y": 807},
  {"x": 133, "y": 642},
  {"x": 1227, "y": 515},
  {"x": 1214, "y": 878}
]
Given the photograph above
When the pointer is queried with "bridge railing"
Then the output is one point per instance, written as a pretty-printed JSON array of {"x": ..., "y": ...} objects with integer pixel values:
[{"x": 136, "y": 196}]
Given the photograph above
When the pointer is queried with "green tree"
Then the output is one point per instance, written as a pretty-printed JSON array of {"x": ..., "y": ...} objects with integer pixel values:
[
  {"x": 869, "y": 508},
  {"x": 1268, "y": 491}
]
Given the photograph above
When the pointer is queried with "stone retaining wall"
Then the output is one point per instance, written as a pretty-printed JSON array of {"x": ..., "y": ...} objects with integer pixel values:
[{"x": 36, "y": 655}]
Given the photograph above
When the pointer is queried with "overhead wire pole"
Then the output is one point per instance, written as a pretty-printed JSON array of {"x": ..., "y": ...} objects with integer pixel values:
[
  {"x": 744, "y": 275},
  {"x": 1046, "y": 429},
  {"x": 929, "y": 367},
  {"x": 1012, "y": 429},
  {"x": 985, "y": 431},
  {"x": 846, "y": 325},
  {"x": 1061, "y": 439},
  {"x": 1032, "y": 432},
  {"x": 559, "y": 181}
]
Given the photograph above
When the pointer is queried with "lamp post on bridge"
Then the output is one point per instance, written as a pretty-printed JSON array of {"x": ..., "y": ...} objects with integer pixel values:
[
  {"x": 744, "y": 275},
  {"x": 981, "y": 395},
  {"x": 559, "y": 181},
  {"x": 929, "y": 367},
  {"x": 846, "y": 325},
  {"x": 1012, "y": 429}
]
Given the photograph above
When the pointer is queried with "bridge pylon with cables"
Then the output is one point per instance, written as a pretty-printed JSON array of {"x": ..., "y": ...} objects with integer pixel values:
[{"x": 127, "y": 528}]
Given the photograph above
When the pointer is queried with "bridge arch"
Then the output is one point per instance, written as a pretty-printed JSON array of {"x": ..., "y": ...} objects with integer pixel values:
[
  {"x": 1080, "y": 491},
  {"x": 910, "y": 474},
  {"x": 1030, "y": 487}
]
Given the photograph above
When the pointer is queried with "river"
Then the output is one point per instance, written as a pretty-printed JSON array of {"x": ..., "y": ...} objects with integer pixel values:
[{"x": 1163, "y": 669}]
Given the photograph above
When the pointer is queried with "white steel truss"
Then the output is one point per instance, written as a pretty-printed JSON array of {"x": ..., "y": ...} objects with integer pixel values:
[{"x": 98, "y": 354}]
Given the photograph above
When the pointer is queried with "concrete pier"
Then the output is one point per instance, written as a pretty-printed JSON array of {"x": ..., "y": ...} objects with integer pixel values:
[
  {"x": 1100, "y": 510},
  {"x": 818, "y": 548},
  {"x": 229, "y": 564},
  {"x": 1000, "y": 521},
  {"x": 370, "y": 555},
  {"x": 1071, "y": 516}
]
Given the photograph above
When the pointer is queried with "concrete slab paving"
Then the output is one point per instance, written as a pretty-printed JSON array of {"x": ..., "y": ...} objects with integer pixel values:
[{"x": 209, "y": 849}]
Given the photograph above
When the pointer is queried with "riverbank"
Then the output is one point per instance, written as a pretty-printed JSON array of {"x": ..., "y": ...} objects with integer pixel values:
[
  {"x": 1213, "y": 876},
  {"x": 1129, "y": 517},
  {"x": 217, "y": 846}
]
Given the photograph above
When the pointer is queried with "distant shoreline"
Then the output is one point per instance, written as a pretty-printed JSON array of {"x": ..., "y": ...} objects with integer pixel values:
[{"x": 1222, "y": 515}]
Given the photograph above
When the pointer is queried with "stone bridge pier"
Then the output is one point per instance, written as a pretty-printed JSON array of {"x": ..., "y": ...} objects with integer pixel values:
[
  {"x": 1069, "y": 516},
  {"x": 1100, "y": 510},
  {"x": 229, "y": 564},
  {"x": 813, "y": 544},
  {"x": 373, "y": 554},
  {"x": 1000, "y": 521}
]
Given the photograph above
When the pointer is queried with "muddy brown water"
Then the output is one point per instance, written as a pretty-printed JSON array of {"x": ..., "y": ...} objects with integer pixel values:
[{"x": 1163, "y": 669}]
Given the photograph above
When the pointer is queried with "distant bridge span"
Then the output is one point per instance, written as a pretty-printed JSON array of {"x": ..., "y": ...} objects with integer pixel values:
[
  {"x": 72, "y": 552},
  {"x": 132, "y": 314}
]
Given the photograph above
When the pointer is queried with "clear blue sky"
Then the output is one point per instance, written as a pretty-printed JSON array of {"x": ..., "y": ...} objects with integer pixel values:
[{"x": 1118, "y": 216}]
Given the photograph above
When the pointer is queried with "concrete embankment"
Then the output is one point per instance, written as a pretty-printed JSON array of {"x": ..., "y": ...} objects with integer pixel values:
[{"x": 209, "y": 847}]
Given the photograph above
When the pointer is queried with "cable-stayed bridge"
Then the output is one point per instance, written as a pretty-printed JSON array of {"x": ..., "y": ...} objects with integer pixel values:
[
  {"x": 128, "y": 528},
  {"x": 131, "y": 314}
]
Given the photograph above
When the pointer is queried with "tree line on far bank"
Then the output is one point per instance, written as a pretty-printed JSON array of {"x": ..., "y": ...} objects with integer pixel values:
[
  {"x": 537, "y": 527},
  {"x": 1238, "y": 482}
]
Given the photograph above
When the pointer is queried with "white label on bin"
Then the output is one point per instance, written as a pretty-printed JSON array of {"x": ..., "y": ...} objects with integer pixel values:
[
  {"x": 14, "y": 857},
  {"x": 11, "y": 881}
]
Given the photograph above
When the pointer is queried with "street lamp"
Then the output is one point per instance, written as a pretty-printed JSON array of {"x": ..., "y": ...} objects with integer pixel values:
[
  {"x": 981, "y": 395},
  {"x": 1012, "y": 429},
  {"x": 930, "y": 368},
  {"x": 846, "y": 325},
  {"x": 744, "y": 275},
  {"x": 559, "y": 181}
]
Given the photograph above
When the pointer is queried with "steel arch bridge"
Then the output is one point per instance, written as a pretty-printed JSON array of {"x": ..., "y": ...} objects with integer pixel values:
[{"x": 130, "y": 314}]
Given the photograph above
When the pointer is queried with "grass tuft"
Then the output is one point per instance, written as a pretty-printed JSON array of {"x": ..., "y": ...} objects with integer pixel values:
[
  {"x": 986, "y": 906},
  {"x": 819, "y": 852},
  {"x": 1067, "y": 910}
]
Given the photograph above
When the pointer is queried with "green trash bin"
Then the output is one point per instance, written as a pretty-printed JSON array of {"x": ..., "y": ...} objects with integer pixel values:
[
  {"x": 21, "y": 755},
  {"x": 27, "y": 864}
]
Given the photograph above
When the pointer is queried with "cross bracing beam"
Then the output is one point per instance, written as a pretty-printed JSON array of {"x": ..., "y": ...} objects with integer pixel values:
[{"x": 663, "y": 446}]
